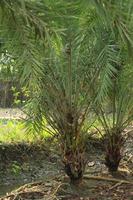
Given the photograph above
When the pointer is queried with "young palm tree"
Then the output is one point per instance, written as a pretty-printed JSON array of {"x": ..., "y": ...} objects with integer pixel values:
[
  {"x": 115, "y": 113},
  {"x": 60, "y": 62},
  {"x": 57, "y": 79},
  {"x": 113, "y": 89},
  {"x": 64, "y": 98}
]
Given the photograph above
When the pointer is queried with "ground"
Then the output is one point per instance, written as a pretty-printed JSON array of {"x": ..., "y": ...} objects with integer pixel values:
[
  {"x": 33, "y": 170},
  {"x": 40, "y": 167},
  {"x": 11, "y": 113}
]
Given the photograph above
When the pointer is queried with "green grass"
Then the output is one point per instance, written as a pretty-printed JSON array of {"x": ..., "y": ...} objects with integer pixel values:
[{"x": 14, "y": 131}]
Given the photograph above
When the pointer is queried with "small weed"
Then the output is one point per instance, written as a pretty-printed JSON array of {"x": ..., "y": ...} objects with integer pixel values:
[{"x": 15, "y": 168}]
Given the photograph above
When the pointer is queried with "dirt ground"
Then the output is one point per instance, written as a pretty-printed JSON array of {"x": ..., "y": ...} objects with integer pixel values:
[
  {"x": 11, "y": 113},
  {"x": 34, "y": 171}
]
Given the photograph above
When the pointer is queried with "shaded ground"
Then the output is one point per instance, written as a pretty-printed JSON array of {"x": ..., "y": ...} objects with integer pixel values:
[
  {"x": 28, "y": 163},
  {"x": 22, "y": 163}
]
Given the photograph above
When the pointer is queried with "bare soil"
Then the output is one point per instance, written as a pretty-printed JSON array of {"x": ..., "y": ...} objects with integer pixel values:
[
  {"x": 37, "y": 173},
  {"x": 11, "y": 113}
]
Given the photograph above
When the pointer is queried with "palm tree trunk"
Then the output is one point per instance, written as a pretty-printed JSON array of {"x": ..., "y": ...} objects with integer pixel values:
[
  {"x": 112, "y": 160},
  {"x": 113, "y": 151},
  {"x": 74, "y": 165}
]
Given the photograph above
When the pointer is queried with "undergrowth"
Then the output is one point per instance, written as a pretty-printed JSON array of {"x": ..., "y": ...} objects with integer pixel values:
[{"x": 14, "y": 131}]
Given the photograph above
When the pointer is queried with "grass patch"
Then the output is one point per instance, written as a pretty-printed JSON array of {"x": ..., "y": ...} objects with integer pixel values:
[{"x": 14, "y": 131}]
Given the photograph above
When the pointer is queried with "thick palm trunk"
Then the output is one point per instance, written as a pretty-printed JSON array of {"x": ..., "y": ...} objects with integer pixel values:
[
  {"x": 74, "y": 161},
  {"x": 74, "y": 165}
]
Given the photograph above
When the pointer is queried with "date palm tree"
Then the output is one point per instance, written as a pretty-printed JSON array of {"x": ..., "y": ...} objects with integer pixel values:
[
  {"x": 59, "y": 48},
  {"x": 55, "y": 68},
  {"x": 113, "y": 84},
  {"x": 115, "y": 113}
]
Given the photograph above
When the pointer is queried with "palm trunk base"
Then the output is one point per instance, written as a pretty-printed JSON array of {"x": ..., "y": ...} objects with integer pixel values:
[
  {"x": 113, "y": 150},
  {"x": 112, "y": 162},
  {"x": 74, "y": 175},
  {"x": 74, "y": 166}
]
